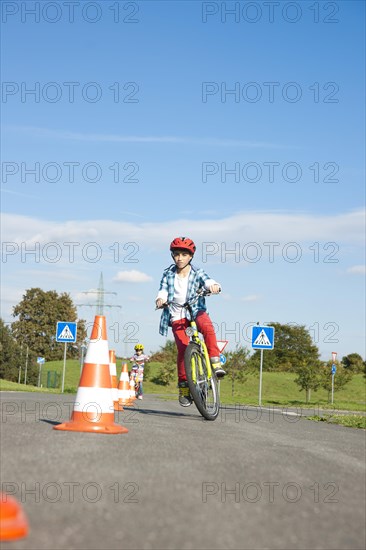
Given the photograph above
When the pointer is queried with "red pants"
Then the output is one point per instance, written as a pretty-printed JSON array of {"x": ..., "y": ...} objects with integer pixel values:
[{"x": 205, "y": 327}]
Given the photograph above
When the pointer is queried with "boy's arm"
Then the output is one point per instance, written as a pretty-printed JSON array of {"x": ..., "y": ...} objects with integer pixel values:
[
  {"x": 163, "y": 290},
  {"x": 162, "y": 295},
  {"x": 210, "y": 284}
]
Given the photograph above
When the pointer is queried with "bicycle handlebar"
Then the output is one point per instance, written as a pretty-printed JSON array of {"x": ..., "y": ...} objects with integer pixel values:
[{"x": 200, "y": 292}]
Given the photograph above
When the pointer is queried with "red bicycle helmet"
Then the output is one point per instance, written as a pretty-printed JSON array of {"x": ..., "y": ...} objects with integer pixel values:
[{"x": 183, "y": 243}]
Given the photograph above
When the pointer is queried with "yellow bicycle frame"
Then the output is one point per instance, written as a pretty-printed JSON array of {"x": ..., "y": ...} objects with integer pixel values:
[{"x": 195, "y": 338}]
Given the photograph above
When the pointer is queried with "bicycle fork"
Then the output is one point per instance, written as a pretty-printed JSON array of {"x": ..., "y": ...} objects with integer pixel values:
[
  {"x": 199, "y": 342},
  {"x": 196, "y": 340}
]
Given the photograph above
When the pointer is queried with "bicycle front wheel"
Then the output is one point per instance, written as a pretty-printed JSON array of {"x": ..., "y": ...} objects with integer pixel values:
[{"x": 204, "y": 389}]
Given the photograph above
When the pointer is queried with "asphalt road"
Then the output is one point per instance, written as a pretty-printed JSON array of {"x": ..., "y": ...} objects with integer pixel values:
[{"x": 251, "y": 480}]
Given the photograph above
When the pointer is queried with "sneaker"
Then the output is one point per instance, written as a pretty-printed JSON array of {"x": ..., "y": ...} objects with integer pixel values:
[
  {"x": 219, "y": 371},
  {"x": 139, "y": 397},
  {"x": 185, "y": 398}
]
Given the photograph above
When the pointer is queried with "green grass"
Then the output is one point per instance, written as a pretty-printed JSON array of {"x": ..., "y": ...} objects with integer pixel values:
[
  {"x": 72, "y": 377},
  {"x": 72, "y": 373},
  {"x": 6, "y": 385},
  {"x": 348, "y": 420},
  {"x": 278, "y": 388}
]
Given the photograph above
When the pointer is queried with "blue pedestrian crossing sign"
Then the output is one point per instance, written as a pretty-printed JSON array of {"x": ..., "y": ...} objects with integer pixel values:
[
  {"x": 262, "y": 337},
  {"x": 66, "y": 332}
]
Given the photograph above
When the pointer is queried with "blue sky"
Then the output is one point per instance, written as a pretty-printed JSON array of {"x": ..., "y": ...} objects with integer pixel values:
[{"x": 132, "y": 137}]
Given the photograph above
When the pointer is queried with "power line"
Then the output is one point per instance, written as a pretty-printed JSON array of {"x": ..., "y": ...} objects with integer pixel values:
[{"x": 100, "y": 292}]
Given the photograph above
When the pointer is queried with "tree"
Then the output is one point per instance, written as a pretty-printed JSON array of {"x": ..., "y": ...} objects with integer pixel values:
[
  {"x": 168, "y": 357},
  {"x": 38, "y": 313},
  {"x": 341, "y": 378},
  {"x": 13, "y": 358},
  {"x": 353, "y": 362},
  {"x": 237, "y": 366},
  {"x": 308, "y": 377},
  {"x": 167, "y": 353},
  {"x": 293, "y": 345},
  {"x": 166, "y": 374}
]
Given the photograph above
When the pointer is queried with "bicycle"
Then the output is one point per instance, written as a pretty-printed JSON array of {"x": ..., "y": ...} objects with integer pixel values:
[
  {"x": 202, "y": 380},
  {"x": 137, "y": 388}
]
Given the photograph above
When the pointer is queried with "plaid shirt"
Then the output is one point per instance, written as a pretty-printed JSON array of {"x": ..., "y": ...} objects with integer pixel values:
[{"x": 196, "y": 280}]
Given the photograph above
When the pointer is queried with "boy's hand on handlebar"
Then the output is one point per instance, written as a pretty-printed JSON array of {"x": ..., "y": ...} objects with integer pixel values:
[
  {"x": 159, "y": 303},
  {"x": 215, "y": 289}
]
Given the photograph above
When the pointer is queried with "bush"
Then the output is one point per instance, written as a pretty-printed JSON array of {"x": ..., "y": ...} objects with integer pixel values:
[
  {"x": 342, "y": 377},
  {"x": 70, "y": 390},
  {"x": 165, "y": 375},
  {"x": 167, "y": 353}
]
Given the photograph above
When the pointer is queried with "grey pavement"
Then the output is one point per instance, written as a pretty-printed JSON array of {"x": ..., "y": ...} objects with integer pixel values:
[{"x": 254, "y": 479}]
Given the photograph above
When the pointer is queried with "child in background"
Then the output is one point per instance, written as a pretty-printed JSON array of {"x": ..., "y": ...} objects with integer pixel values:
[{"x": 137, "y": 370}]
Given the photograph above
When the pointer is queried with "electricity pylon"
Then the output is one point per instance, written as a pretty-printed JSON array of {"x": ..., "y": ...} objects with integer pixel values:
[{"x": 100, "y": 292}]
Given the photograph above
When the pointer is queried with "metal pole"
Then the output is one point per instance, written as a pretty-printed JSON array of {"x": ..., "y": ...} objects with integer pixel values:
[
  {"x": 26, "y": 366},
  {"x": 82, "y": 358},
  {"x": 20, "y": 366},
  {"x": 260, "y": 379},
  {"x": 63, "y": 370},
  {"x": 334, "y": 358}
]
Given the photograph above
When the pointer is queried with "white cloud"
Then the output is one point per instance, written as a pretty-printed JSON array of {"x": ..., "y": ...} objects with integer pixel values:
[
  {"x": 118, "y": 138},
  {"x": 250, "y": 298},
  {"x": 132, "y": 276},
  {"x": 357, "y": 270},
  {"x": 243, "y": 227}
]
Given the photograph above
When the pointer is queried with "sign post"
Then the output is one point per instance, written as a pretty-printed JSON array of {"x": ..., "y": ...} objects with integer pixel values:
[
  {"x": 334, "y": 370},
  {"x": 26, "y": 366},
  {"x": 262, "y": 338},
  {"x": 64, "y": 369},
  {"x": 260, "y": 380},
  {"x": 65, "y": 332},
  {"x": 40, "y": 361},
  {"x": 83, "y": 348}
]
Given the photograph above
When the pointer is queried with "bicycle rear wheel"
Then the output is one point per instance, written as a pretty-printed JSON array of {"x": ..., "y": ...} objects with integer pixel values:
[{"x": 204, "y": 390}]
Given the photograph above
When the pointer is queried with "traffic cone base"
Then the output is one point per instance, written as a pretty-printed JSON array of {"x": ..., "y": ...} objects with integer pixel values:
[
  {"x": 94, "y": 408},
  {"x": 78, "y": 423},
  {"x": 13, "y": 523}
]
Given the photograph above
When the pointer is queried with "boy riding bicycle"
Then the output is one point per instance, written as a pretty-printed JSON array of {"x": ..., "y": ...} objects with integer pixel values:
[
  {"x": 180, "y": 282},
  {"x": 137, "y": 370}
]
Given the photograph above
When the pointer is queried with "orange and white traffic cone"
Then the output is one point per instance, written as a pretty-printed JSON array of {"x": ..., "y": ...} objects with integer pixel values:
[
  {"x": 13, "y": 522},
  {"x": 124, "y": 388},
  {"x": 93, "y": 408},
  {"x": 113, "y": 371}
]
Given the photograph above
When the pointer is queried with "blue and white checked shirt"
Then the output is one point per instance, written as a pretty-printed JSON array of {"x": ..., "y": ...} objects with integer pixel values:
[{"x": 196, "y": 280}]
